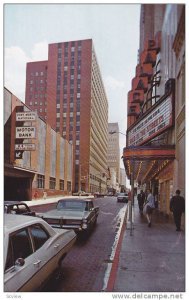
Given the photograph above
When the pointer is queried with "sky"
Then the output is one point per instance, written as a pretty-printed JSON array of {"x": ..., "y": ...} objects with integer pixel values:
[{"x": 114, "y": 29}]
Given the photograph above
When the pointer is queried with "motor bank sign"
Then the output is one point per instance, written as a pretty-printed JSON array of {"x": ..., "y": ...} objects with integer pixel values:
[{"x": 159, "y": 119}]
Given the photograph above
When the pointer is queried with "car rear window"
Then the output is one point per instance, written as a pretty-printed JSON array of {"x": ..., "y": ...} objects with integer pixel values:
[{"x": 71, "y": 205}]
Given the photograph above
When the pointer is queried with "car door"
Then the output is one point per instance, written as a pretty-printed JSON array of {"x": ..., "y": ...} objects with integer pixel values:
[
  {"x": 46, "y": 253},
  {"x": 19, "y": 247}
]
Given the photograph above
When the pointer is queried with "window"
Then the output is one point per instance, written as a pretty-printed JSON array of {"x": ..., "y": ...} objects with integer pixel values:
[
  {"x": 30, "y": 103},
  {"x": 39, "y": 235},
  {"x": 40, "y": 181},
  {"x": 52, "y": 183},
  {"x": 61, "y": 185},
  {"x": 41, "y": 73},
  {"x": 19, "y": 247},
  {"x": 69, "y": 185}
]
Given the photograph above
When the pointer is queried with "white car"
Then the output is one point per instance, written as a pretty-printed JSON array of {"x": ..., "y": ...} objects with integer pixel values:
[{"x": 33, "y": 250}]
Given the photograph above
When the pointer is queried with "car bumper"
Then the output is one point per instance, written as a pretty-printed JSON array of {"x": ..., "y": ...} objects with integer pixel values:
[{"x": 122, "y": 200}]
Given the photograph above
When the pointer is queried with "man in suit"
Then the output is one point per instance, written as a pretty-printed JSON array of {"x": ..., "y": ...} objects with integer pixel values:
[
  {"x": 141, "y": 199},
  {"x": 177, "y": 206}
]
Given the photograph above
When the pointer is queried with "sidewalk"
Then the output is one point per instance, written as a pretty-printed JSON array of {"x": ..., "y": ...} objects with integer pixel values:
[{"x": 151, "y": 259}]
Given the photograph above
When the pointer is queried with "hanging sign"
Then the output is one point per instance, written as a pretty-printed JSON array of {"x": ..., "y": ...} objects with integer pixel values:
[
  {"x": 25, "y": 147},
  {"x": 25, "y": 132},
  {"x": 25, "y": 116}
]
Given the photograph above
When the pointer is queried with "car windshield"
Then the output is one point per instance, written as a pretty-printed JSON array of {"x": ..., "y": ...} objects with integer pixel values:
[
  {"x": 71, "y": 205},
  {"x": 122, "y": 194}
]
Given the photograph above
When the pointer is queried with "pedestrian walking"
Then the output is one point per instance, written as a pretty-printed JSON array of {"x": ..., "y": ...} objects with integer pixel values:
[
  {"x": 149, "y": 207},
  {"x": 141, "y": 198},
  {"x": 177, "y": 206},
  {"x": 35, "y": 195},
  {"x": 44, "y": 195}
]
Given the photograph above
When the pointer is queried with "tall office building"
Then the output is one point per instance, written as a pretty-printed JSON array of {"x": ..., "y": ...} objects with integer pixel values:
[
  {"x": 67, "y": 90},
  {"x": 114, "y": 154}
]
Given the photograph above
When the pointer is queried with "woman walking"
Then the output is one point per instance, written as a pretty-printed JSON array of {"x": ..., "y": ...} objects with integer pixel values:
[{"x": 149, "y": 207}]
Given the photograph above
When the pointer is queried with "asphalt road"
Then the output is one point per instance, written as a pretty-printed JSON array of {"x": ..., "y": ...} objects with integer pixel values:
[{"x": 85, "y": 266}]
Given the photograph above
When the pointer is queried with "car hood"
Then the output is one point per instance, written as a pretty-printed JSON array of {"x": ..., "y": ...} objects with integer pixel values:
[{"x": 65, "y": 214}]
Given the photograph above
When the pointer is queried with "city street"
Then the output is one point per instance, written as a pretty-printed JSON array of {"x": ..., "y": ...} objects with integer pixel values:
[
  {"x": 94, "y": 148},
  {"x": 84, "y": 268}
]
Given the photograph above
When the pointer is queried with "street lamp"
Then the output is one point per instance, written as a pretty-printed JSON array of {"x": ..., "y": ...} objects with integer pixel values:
[{"x": 113, "y": 132}]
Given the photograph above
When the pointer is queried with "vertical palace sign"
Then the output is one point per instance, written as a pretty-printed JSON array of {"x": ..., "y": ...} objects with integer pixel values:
[{"x": 153, "y": 124}]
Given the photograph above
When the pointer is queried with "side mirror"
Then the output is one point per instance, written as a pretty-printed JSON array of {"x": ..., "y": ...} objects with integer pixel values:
[{"x": 20, "y": 262}]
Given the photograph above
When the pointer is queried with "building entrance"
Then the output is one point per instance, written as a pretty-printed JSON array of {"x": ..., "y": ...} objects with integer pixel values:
[{"x": 17, "y": 189}]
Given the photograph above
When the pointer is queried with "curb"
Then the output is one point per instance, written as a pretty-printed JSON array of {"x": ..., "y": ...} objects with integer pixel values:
[{"x": 114, "y": 268}]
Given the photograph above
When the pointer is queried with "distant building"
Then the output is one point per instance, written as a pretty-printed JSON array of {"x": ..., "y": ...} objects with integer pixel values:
[
  {"x": 114, "y": 154},
  {"x": 68, "y": 92},
  {"x": 36, "y": 157}
]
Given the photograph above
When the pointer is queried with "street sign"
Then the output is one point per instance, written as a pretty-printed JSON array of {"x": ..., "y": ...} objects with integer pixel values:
[
  {"x": 18, "y": 154},
  {"x": 25, "y": 116},
  {"x": 25, "y": 132},
  {"x": 25, "y": 147}
]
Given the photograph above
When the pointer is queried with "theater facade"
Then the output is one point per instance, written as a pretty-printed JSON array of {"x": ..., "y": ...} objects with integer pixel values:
[{"x": 154, "y": 156}]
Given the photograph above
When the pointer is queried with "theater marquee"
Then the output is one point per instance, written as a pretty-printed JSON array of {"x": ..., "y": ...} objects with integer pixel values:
[{"x": 157, "y": 121}]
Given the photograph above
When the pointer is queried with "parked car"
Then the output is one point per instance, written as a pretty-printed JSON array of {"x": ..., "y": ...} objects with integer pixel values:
[
  {"x": 81, "y": 193},
  {"x": 19, "y": 208},
  {"x": 99, "y": 195},
  {"x": 78, "y": 214},
  {"x": 33, "y": 250},
  {"x": 122, "y": 197}
]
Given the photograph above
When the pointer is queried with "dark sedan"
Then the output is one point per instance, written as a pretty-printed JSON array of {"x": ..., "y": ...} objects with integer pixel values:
[
  {"x": 19, "y": 208},
  {"x": 122, "y": 197}
]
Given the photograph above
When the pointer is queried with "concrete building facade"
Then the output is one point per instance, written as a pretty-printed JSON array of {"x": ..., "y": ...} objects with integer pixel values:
[
  {"x": 33, "y": 163},
  {"x": 76, "y": 106}
]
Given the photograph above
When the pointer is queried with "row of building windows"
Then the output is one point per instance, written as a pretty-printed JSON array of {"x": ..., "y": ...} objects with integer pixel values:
[
  {"x": 40, "y": 81},
  {"x": 37, "y": 73},
  {"x": 37, "y": 96},
  {"x": 37, "y": 103},
  {"x": 39, "y": 88},
  {"x": 52, "y": 183}
]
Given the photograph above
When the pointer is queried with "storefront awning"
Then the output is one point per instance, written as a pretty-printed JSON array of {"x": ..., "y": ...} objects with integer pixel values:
[{"x": 146, "y": 162}]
